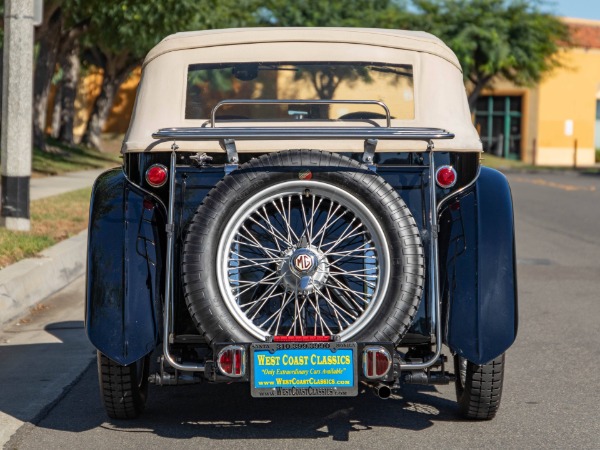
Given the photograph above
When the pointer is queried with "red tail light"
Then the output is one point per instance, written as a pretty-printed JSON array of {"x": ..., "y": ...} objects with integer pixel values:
[
  {"x": 148, "y": 204},
  {"x": 156, "y": 175},
  {"x": 376, "y": 362},
  {"x": 446, "y": 177},
  {"x": 232, "y": 361}
]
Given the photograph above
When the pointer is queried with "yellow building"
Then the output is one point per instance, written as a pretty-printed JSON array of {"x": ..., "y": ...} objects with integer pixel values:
[{"x": 556, "y": 123}]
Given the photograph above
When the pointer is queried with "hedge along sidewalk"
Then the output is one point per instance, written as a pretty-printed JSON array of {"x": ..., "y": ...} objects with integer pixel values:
[{"x": 47, "y": 267}]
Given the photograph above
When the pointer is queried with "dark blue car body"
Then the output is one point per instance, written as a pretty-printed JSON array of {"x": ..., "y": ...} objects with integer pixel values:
[{"x": 127, "y": 240}]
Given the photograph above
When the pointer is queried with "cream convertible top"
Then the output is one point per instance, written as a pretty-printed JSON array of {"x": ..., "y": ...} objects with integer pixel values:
[{"x": 439, "y": 94}]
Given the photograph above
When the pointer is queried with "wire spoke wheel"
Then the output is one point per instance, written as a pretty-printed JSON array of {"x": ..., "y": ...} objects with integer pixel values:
[{"x": 303, "y": 259}]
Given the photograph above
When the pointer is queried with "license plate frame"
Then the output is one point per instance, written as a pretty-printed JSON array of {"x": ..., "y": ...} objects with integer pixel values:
[{"x": 332, "y": 378}]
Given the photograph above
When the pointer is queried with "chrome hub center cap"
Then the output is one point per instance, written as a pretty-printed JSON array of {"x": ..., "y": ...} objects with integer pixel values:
[
  {"x": 303, "y": 262},
  {"x": 304, "y": 269}
]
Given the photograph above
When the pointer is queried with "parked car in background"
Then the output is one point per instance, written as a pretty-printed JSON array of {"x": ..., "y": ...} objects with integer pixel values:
[{"x": 302, "y": 210}]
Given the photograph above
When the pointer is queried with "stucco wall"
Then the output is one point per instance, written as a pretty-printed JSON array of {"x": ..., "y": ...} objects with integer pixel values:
[{"x": 569, "y": 94}]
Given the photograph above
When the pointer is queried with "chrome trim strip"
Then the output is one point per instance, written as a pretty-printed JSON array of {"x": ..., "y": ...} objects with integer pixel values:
[
  {"x": 300, "y": 133},
  {"x": 213, "y": 113}
]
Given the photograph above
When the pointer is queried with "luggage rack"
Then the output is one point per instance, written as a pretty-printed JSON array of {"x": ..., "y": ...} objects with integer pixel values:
[{"x": 370, "y": 134}]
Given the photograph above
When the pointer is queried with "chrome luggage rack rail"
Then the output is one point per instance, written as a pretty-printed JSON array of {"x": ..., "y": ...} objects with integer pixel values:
[
  {"x": 227, "y": 136},
  {"x": 300, "y": 133},
  {"x": 212, "y": 132}
]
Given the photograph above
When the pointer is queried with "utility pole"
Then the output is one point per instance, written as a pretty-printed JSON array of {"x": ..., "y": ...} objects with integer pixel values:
[{"x": 17, "y": 97}]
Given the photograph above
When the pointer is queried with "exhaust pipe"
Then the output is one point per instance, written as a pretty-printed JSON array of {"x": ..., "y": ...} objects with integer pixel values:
[{"x": 382, "y": 391}]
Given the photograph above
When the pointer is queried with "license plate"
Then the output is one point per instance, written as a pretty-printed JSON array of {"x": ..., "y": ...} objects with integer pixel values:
[{"x": 303, "y": 369}]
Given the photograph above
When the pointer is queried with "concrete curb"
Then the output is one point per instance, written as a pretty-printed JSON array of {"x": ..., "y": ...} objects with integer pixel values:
[{"x": 27, "y": 282}]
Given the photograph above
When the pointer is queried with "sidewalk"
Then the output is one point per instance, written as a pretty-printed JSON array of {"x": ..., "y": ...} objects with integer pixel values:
[
  {"x": 49, "y": 186},
  {"x": 42, "y": 354},
  {"x": 43, "y": 348},
  {"x": 29, "y": 281}
]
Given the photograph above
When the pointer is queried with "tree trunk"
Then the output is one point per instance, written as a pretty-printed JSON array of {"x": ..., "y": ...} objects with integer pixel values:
[
  {"x": 55, "y": 128},
  {"x": 112, "y": 80},
  {"x": 478, "y": 85},
  {"x": 71, "y": 66},
  {"x": 44, "y": 71}
]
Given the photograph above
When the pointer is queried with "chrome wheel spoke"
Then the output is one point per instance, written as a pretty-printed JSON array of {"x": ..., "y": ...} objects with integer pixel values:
[
  {"x": 297, "y": 316},
  {"x": 275, "y": 318},
  {"x": 323, "y": 230},
  {"x": 242, "y": 262},
  {"x": 251, "y": 239},
  {"x": 318, "y": 317},
  {"x": 256, "y": 284},
  {"x": 276, "y": 236},
  {"x": 338, "y": 311}
]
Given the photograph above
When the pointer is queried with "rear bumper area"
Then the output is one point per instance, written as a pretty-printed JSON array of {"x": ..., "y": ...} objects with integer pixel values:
[
  {"x": 308, "y": 369},
  {"x": 306, "y": 364}
]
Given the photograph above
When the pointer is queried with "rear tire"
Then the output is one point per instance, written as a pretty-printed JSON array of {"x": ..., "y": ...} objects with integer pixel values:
[
  {"x": 479, "y": 388},
  {"x": 123, "y": 389}
]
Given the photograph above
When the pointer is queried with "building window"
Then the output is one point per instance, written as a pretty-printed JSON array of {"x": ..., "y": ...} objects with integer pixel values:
[{"x": 498, "y": 121}]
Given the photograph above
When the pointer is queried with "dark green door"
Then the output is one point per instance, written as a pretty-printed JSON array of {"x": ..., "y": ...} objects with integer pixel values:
[{"x": 498, "y": 120}]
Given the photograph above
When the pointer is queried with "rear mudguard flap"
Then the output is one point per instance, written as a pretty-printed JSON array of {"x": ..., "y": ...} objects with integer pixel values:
[
  {"x": 124, "y": 269},
  {"x": 478, "y": 270}
]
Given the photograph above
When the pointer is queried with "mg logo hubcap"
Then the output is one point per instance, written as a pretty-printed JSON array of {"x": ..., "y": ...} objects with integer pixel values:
[
  {"x": 303, "y": 262},
  {"x": 303, "y": 270}
]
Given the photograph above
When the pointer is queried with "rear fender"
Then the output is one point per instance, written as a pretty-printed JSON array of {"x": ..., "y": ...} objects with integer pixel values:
[
  {"x": 478, "y": 270},
  {"x": 124, "y": 269}
]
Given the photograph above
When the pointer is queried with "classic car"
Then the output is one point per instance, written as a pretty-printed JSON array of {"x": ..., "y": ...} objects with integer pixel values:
[{"x": 302, "y": 210}]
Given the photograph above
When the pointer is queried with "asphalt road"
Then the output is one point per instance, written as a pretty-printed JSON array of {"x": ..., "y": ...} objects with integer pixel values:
[{"x": 551, "y": 395}]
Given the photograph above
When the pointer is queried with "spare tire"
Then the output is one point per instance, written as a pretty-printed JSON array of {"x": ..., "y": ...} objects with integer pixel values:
[{"x": 302, "y": 243}]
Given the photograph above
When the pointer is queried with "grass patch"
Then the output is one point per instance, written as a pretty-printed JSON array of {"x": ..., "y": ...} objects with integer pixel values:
[
  {"x": 598, "y": 155},
  {"x": 53, "y": 219},
  {"x": 61, "y": 158},
  {"x": 495, "y": 162},
  {"x": 501, "y": 164}
]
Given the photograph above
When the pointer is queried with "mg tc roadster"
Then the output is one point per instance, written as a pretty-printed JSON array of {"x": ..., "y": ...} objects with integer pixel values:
[{"x": 301, "y": 210}]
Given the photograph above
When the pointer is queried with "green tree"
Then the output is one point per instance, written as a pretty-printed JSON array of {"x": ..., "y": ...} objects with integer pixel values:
[
  {"x": 495, "y": 39},
  {"x": 334, "y": 13},
  {"x": 47, "y": 39},
  {"x": 55, "y": 38},
  {"x": 120, "y": 33}
]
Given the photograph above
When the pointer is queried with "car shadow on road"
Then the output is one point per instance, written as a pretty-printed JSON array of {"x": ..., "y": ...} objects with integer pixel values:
[
  {"x": 227, "y": 412},
  {"x": 37, "y": 363}
]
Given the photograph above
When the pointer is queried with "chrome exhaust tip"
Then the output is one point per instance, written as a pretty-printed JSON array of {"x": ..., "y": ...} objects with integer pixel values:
[{"x": 382, "y": 391}]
